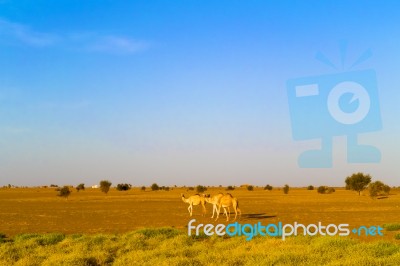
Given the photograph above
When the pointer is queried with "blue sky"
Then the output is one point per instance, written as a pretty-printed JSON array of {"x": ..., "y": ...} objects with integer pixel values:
[{"x": 182, "y": 92}]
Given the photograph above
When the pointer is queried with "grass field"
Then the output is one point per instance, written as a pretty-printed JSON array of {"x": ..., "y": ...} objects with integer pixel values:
[
  {"x": 123, "y": 228},
  {"x": 173, "y": 247}
]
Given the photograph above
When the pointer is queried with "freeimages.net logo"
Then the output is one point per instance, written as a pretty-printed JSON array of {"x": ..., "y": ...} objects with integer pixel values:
[{"x": 325, "y": 106}]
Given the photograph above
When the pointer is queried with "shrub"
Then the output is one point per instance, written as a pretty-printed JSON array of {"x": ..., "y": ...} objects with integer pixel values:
[
  {"x": 325, "y": 190},
  {"x": 124, "y": 187},
  {"x": 378, "y": 188},
  {"x": 154, "y": 187},
  {"x": 105, "y": 186},
  {"x": 392, "y": 227},
  {"x": 230, "y": 188},
  {"x": 200, "y": 189},
  {"x": 64, "y": 192},
  {"x": 397, "y": 236},
  {"x": 286, "y": 189},
  {"x": 321, "y": 189},
  {"x": 190, "y": 188},
  {"x": 250, "y": 188},
  {"x": 310, "y": 187},
  {"x": 330, "y": 190},
  {"x": 164, "y": 188},
  {"x": 143, "y": 188},
  {"x": 80, "y": 187},
  {"x": 268, "y": 187}
]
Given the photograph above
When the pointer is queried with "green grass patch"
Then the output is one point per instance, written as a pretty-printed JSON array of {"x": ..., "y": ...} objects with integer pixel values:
[
  {"x": 392, "y": 227},
  {"x": 397, "y": 236}
]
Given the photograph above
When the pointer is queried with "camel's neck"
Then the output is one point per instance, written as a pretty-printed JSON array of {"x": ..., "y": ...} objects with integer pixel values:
[{"x": 184, "y": 199}]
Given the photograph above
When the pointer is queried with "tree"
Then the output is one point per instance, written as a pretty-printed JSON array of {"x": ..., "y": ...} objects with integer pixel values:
[
  {"x": 123, "y": 187},
  {"x": 310, "y": 187},
  {"x": 268, "y": 187},
  {"x": 286, "y": 189},
  {"x": 143, "y": 188},
  {"x": 378, "y": 188},
  {"x": 64, "y": 192},
  {"x": 358, "y": 182},
  {"x": 230, "y": 188},
  {"x": 250, "y": 188},
  {"x": 80, "y": 187},
  {"x": 105, "y": 186},
  {"x": 154, "y": 187}
]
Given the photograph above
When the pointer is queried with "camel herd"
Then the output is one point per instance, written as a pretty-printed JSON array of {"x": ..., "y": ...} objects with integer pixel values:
[{"x": 220, "y": 200}]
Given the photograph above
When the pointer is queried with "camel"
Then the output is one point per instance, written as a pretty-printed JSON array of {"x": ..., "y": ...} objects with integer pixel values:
[
  {"x": 214, "y": 200},
  {"x": 226, "y": 202},
  {"x": 193, "y": 201}
]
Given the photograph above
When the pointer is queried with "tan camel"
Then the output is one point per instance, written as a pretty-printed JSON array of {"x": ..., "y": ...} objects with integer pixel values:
[
  {"x": 226, "y": 202},
  {"x": 193, "y": 201},
  {"x": 214, "y": 200}
]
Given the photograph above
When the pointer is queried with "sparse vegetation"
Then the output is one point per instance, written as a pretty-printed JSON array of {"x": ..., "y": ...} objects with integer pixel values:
[
  {"x": 64, "y": 192},
  {"x": 310, "y": 187},
  {"x": 286, "y": 189},
  {"x": 268, "y": 187},
  {"x": 105, "y": 186},
  {"x": 230, "y": 188},
  {"x": 358, "y": 182},
  {"x": 250, "y": 188}
]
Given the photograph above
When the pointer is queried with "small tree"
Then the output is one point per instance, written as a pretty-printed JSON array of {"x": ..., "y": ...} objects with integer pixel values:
[
  {"x": 250, "y": 188},
  {"x": 378, "y": 188},
  {"x": 286, "y": 189},
  {"x": 310, "y": 187},
  {"x": 358, "y": 182},
  {"x": 143, "y": 188},
  {"x": 64, "y": 192},
  {"x": 80, "y": 187},
  {"x": 268, "y": 187},
  {"x": 201, "y": 189},
  {"x": 154, "y": 187},
  {"x": 105, "y": 186}
]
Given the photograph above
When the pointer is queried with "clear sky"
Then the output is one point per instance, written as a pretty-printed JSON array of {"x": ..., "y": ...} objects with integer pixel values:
[{"x": 182, "y": 92}]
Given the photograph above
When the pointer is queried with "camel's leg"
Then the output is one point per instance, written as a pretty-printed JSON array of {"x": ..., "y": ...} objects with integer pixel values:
[
  {"x": 219, "y": 210},
  {"x": 226, "y": 214},
  {"x": 214, "y": 210},
  {"x": 204, "y": 209},
  {"x": 190, "y": 209}
]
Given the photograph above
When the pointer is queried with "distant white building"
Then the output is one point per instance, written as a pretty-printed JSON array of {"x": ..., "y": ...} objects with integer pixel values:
[{"x": 95, "y": 186}]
